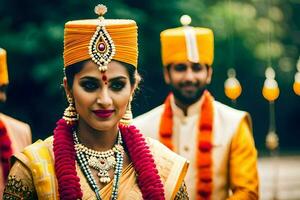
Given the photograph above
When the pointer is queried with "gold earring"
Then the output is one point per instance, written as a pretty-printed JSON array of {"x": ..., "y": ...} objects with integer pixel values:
[
  {"x": 70, "y": 114},
  {"x": 127, "y": 117}
]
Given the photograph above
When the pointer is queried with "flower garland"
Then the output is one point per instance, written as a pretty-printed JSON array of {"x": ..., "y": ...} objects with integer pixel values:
[
  {"x": 64, "y": 157},
  {"x": 148, "y": 179},
  {"x": 204, "y": 157},
  {"x": 5, "y": 150}
]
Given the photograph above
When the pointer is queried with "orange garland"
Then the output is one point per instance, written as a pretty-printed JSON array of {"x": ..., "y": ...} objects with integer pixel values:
[{"x": 204, "y": 157}]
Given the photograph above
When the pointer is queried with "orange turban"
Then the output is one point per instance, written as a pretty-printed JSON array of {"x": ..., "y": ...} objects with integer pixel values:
[
  {"x": 187, "y": 43},
  {"x": 78, "y": 34},
  {"x": 3, "y": 68}
]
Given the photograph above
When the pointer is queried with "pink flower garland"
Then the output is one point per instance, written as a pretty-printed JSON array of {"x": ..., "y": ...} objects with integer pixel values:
[
  {"x": 5, "y": 150},
  {"x": 65, "y": 156},
  {"x": 68, "y": 182},
  {"x": 148, "y": 179}
]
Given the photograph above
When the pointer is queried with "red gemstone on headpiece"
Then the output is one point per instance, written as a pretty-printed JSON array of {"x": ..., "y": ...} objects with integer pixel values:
[{"x": 101, "y": 47}]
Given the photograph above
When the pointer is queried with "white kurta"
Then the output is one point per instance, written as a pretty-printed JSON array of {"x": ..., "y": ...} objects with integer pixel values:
[{"x": 225, "y": 129}]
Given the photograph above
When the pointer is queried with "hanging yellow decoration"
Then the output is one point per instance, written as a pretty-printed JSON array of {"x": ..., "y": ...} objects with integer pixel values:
[
  {"x": 232, "y": 86},
  {"x": 272, "y": 141},
  {"x": 296, "y": 85},
  {"x": 270, "y": 89}
]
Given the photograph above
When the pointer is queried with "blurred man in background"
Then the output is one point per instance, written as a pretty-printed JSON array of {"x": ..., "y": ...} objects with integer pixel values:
[
  {"x": 215, "y": 138},
  {"x": 14, "y": 134}
]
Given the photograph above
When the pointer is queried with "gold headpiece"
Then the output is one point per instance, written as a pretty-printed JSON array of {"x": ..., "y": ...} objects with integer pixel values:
[
  {"x": 101, "y": 48},
  {"x": 100, "y": 40},
  {"x": 3, "y": 68}
]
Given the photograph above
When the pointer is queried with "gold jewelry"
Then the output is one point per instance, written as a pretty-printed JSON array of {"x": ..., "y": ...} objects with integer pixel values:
[
  {"x": 102, "y": 161},
  {"x": 70, "y": 114},
  {"x": 127, "y": 117},
  {"x": 101, "y": 47}
]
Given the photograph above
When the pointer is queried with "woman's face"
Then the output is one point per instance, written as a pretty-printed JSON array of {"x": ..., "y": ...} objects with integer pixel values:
[{"x": 101, "y": 98}]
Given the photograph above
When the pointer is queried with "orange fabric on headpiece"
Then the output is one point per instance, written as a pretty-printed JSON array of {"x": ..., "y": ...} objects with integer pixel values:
[
  {"x": 78, "y": 34},
  {"x": 3, "y": 68},
  {"x": 174, "y": 47}
]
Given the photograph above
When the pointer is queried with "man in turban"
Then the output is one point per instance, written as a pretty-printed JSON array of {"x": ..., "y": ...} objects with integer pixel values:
[
  {"x": 215, "y": 138},
  {"x": 14, "y": 134}
]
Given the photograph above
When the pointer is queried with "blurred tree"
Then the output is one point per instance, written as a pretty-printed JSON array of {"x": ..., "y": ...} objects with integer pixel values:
[{"x": 32, "y": 33}]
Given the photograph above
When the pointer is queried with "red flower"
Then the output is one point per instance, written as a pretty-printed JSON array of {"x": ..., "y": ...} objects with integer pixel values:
[
  {"x": 5, "y": 150},
  {"x": 148, "y": 179},
  {"x": 68, "y": 182},
  {"x": 204, "y": 157},
  {"x": 65, "y": 156},
  {"x": 205, "y": 146}
]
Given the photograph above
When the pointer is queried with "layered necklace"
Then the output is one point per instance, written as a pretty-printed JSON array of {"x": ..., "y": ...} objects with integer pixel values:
[
  {"x": 142, "y": 159},
  {"x": 102, "y": 161}
]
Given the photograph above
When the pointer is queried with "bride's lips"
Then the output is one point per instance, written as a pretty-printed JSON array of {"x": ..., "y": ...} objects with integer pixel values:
[{"x": 103, "y": 113}]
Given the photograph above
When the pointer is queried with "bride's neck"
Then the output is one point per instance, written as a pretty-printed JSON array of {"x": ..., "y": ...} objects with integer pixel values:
[{"x": 95, "y": 139}]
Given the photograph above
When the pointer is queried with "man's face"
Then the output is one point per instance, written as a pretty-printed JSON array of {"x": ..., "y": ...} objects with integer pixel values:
[{"x": 188, "y": 80}]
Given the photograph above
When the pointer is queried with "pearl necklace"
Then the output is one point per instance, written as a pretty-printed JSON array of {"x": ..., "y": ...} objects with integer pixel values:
[{"x": 102, "y": 162}]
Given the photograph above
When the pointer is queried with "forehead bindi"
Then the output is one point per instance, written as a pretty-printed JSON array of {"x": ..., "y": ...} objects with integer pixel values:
[
  {"x": 104, "y": 78},
  {"x": 114, "y": 70}
]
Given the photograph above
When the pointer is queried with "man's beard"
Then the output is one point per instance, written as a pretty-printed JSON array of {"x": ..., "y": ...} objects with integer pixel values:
[{"x": 188, "y": 99}]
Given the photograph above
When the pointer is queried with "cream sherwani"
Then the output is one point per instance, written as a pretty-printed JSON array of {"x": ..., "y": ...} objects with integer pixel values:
[
  {"x": 20, "y": 136},
  {"x": 234, "y": 154}
]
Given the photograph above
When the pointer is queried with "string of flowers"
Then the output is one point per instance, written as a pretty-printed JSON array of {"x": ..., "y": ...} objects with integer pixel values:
[
  {"x": 204, "y": 157},
  {"x": 166, "y": 125},
  {"x": 148, "y": 179},
  {"x": 5, "y": 150},
  {"x": 204, "y": 142},
  {"x": 65, "y": 156}
]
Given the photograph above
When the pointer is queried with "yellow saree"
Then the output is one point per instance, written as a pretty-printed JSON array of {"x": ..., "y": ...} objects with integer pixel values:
[{"x": 33, "y": 169}]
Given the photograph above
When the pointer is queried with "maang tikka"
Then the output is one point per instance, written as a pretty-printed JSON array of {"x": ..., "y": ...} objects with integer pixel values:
[{"x": 101, "y": 46}]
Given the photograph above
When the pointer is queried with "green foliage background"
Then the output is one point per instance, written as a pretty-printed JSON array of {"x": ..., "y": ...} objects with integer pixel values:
[{"x": 32, "y": 33}]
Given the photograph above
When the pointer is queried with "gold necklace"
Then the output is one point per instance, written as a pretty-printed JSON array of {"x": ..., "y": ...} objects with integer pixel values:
[{"x": 102, "y": 161}]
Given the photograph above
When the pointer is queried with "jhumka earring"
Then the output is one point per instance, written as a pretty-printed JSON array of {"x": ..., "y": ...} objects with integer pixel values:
[
  {"x": 70, "y": 114},
  {"x": 127, "y": 117}
]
